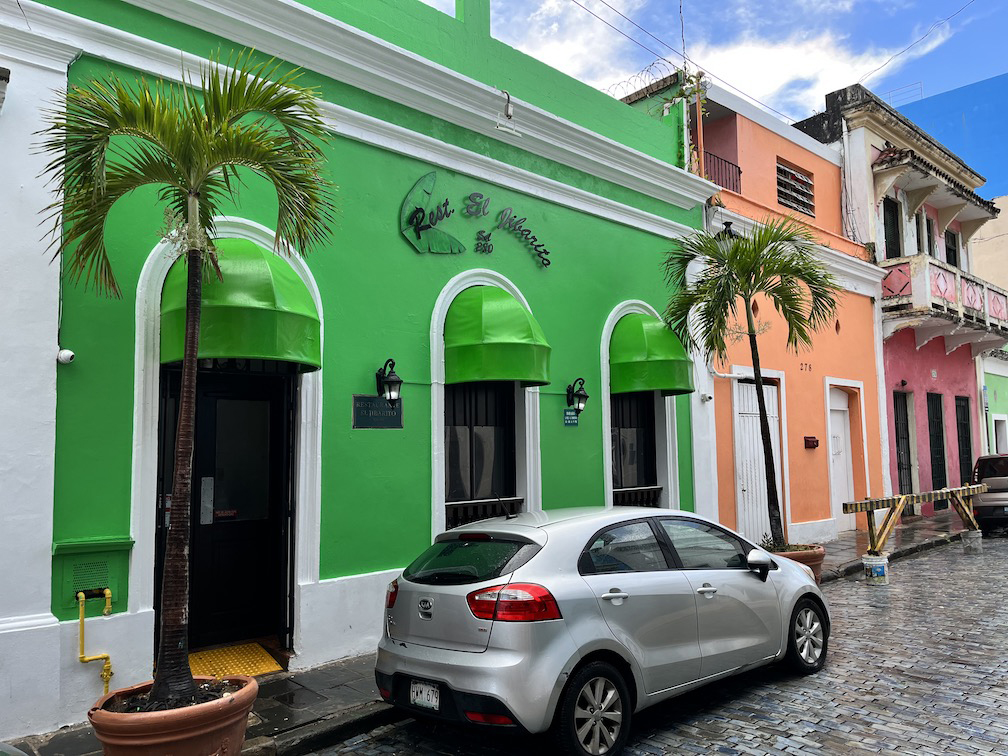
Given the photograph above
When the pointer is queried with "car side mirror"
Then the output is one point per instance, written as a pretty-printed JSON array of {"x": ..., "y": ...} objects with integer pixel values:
[{"x": 759, "y": 561}]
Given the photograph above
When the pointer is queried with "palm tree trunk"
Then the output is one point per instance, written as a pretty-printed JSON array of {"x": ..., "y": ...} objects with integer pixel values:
[
  {"x": 773, "y": 502},
  {"x": 173, "y": 680}
]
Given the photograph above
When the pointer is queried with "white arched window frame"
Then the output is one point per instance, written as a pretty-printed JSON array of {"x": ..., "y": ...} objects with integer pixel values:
[
  {"x": 147, "y": 388},
  {"x": 528, "y": 469},
  {"x": 666, "y": 444}
]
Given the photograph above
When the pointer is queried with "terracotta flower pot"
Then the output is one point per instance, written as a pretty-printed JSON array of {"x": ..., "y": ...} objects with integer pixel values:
[
  {"x": 812, "y": 557},
  {"x": 215, "y": 728}
]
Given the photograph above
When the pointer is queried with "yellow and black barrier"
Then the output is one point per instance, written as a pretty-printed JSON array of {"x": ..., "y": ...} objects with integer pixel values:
[{"x": 961, "y": 500}]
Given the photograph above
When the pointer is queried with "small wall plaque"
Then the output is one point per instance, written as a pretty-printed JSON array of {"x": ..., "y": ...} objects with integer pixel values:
[
  {"x": 375, "y": 412},
  {"x": 570, "y": 417}
]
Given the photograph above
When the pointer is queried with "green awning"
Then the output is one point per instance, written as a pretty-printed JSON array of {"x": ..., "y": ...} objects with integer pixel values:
[
  {"x": 261, "y": 310},
  {"x": 490, "y": 336},
  {"x": 645, "y": 355}
]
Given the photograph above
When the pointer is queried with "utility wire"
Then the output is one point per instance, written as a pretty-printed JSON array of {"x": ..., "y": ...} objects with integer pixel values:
[
  {"x": 927, "y": 34},
  {"x": 674, "y": 50}
]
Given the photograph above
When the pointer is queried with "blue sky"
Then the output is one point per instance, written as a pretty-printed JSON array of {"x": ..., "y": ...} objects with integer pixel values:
[{"x": 787, "y": 54}]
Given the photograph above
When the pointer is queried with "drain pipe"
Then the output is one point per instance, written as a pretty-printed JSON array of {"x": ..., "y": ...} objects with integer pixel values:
[{"x": 106, "y": 673}]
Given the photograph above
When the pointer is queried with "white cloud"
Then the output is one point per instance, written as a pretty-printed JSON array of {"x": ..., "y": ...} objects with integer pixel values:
[
  {"x": 566, "y": 37},
  {"x": 794, "y": 75},
  {"x": 445, "y": 6}
]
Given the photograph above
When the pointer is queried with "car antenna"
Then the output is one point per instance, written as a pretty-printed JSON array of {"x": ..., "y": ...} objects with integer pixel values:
[{"x": 507, "y": 515}]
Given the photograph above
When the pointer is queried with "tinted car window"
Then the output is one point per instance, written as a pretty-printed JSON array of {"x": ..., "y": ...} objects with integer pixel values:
[
  {"x": 703, "y": 547},
  {"x": 458, "y": 562},
  {"x": 993, "y": 467},
  {"x": 624, "y": 548}
]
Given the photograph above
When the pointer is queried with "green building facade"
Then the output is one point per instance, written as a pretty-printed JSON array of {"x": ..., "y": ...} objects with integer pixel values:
[{"x": 550, "y": 207}]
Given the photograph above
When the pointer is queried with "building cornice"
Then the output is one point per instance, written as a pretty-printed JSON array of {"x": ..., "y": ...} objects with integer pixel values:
[
  {"x": 317, "y": 42},
  {"x": 73, "y": 35},
  {"x": 26, "y": 47}
]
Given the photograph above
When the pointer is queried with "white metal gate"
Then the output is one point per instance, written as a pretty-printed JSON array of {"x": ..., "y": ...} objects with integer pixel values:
[{"x": 750, "y": 475}]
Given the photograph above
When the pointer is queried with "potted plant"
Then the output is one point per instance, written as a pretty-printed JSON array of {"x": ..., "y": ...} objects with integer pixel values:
[
  {"x": 775, "y": 261},
  {"x": 106, "y": 139}
]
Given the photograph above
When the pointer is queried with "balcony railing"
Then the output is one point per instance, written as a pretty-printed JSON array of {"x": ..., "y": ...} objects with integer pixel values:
[
  {"x": 920, "y": 282},
  {"x": 644, "y": 496},
  {"x": 462, "y": 512},
  {"x": 722, "y": 172}
]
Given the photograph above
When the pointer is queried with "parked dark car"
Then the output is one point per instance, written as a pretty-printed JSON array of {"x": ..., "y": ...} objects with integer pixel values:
[{"x": 991, "y": 508}]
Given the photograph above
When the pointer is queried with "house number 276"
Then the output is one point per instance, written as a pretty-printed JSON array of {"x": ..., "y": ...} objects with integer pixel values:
[{"x": 805, "y": 367}]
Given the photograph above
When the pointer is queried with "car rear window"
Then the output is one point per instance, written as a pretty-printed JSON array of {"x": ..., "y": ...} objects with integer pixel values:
[
  {"x": 993, "y": 467},
  {"x": 470, "y": 560}
]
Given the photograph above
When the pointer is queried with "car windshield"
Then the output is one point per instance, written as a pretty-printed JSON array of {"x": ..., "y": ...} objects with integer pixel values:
[
  {"x": 469, "y": 560},
  {"x": 993, "y": 467}
]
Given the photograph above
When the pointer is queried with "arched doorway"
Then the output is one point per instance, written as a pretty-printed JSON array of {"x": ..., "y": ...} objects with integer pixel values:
[{"x": 259, "y": 333}]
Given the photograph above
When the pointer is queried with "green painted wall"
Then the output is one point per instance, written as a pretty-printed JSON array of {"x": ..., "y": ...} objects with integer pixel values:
[
  {"x": 997, "y": 403},
  {"x": 376, "y": 484}
]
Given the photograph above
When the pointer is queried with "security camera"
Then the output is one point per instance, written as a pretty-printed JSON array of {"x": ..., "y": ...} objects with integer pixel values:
[{"x": 65, "y": 356}]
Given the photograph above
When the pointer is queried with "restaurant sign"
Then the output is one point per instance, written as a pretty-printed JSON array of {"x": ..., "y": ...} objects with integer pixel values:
[
  {"x": 423, "y": 212},
  {"x": 375, "y": 412}
]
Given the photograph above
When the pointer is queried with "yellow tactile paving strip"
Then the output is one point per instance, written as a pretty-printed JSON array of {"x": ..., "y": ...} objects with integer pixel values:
[{"x": 246, "y": 659}]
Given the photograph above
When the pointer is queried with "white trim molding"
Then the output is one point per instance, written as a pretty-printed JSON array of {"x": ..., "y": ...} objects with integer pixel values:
[
  {"x": 147, "y": 374},
  {"x": 528, "y": 459},
  {"x": 857, "y": 386},
  {"x": 320, "y": 43}
]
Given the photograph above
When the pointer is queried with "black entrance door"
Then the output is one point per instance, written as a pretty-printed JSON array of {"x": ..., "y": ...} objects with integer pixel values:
[{"x": 241, "y": 505}]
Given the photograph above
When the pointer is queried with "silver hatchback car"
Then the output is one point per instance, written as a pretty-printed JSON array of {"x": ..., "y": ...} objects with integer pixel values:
[{"x": 571, "y": 620}]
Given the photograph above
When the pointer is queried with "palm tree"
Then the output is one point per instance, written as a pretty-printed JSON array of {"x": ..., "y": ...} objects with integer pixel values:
[
  {"x": 109, "y": 138},
  {"x": 776, "y": 262}
]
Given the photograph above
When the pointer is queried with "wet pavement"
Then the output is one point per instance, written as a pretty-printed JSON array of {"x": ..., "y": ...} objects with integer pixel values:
[{"x": 918, "y": 666}]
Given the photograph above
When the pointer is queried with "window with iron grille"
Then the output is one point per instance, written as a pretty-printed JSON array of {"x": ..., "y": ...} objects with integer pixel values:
[
  {"x": 930, "y": 237},
  {"x": 479, "y": 441},
  {"x": 963, "y": 425},
  {"x": 952, "y": 248},
  {"x": 903, "y": 458},
  {"x": 891, "y": 222},
  {"x": 936, "y": 433},
  {"x": 795, "y": 189},
  {"x": 633, "y": 440}
]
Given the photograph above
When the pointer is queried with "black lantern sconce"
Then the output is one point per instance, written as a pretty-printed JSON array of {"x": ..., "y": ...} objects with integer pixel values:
[
  {"x": 389, "y": 384},
  {"x": 577, "y": 397}
]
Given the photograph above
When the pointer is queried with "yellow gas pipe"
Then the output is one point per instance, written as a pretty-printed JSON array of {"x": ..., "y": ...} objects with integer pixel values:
[{"x": 106, "y": 673}]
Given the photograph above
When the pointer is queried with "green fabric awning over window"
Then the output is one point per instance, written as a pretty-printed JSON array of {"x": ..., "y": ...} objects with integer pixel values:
[
  {"x": 645, "y": 355},
  {"x": 490, "y": 336},
  {"x": 261, "y": 310}
]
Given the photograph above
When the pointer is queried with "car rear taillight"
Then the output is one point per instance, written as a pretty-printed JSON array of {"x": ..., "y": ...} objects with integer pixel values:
[
  {"x": 483, "y": 718},
  {"x": 516, "y": 602},
  {"x": 391, "y": 594}
]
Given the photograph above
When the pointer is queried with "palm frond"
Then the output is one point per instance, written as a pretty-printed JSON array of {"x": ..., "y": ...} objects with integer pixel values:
[{"x": 776, "y": 260}]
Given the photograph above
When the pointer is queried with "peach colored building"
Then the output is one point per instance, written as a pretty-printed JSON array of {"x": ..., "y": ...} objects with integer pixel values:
[{"x": 826, "y": 404}]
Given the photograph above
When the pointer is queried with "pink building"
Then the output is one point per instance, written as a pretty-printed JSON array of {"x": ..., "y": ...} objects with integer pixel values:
[{"x": 912, "y": 202}]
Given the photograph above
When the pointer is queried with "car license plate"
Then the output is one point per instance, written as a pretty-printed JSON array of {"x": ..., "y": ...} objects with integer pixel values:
[{"x": 424, "y": 694}]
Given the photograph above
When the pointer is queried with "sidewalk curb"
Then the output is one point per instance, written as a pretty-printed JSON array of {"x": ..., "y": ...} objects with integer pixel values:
[
  {"x": 849, "y": 568},
  {"x": 324, "y": 732}
]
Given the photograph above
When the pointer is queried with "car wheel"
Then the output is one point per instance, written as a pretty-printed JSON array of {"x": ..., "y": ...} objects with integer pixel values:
[
  {"x": 593, "y": 716},
  {"x": 807, "y": 638}
]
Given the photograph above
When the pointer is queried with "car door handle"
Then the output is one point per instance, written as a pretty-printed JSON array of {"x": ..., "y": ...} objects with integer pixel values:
[
  {"x": 707, "y": 590},
  {"x": 614, "y": 595}
]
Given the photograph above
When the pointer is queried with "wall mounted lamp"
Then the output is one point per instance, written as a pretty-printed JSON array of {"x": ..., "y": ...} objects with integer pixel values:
[
  {"x": 577, "y": 397},
  {"x": 388, "y": 383},
  {"x": 4, "y": 81},
  {"x": 903, "y": 382}
]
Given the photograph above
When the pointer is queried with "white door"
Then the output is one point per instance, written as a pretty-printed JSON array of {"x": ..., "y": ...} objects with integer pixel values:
[
  {"x": 750, "y": 470},
  {"x": 1000, "y": 435},
  {"x": 841, "y": 468}
]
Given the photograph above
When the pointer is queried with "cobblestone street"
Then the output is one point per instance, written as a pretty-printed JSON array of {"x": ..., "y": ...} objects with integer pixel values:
[{"x": 920, "y": 666}]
